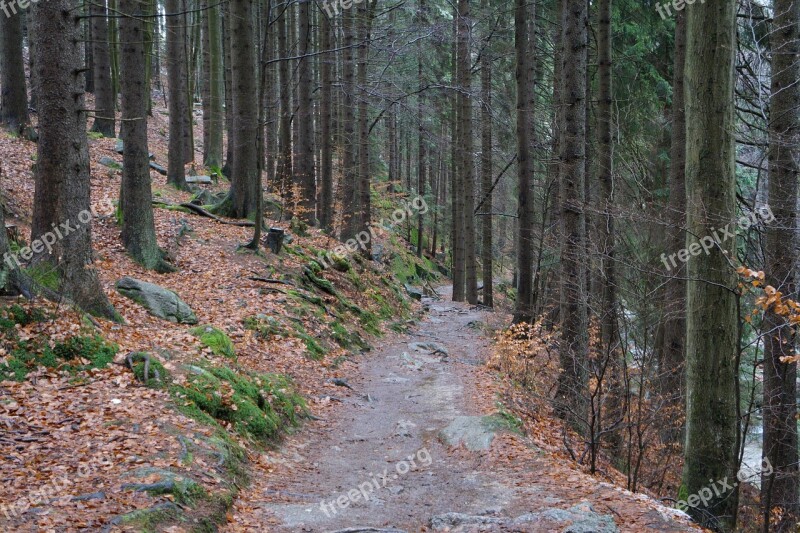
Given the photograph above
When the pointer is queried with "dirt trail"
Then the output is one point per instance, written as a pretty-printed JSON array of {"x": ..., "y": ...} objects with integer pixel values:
[{"x": 380, "y": 463}]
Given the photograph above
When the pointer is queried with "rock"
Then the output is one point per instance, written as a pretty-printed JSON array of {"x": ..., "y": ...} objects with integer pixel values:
[
  {"x": 198, "y": 179},
  {"x": 432, "y": 347},
  {"x": 414, "y": 292},
  {"x": 476, "y": 432},
  {"x": 158, "y": 168},
  {"x": 581, "y": 518},
  {"x": 91, "y": 496},
  {"x": 159, "y": 301},
  {"x": 377, "y": 252},
  {"x": 110, "y": 163}
]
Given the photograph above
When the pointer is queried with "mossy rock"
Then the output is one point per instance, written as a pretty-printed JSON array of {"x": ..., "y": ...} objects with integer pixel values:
[
  {"x": 257, "y": 406},
  {"x": 216, "y": 340}
]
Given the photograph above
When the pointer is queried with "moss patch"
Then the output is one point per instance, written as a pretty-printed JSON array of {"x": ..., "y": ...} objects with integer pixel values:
[
  {"x": 257, "y": 406},
  {"x": 215, "y": 339}
]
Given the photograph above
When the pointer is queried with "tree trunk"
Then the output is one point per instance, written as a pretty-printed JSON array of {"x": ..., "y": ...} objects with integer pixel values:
[
  {"x": 13, "y": 95},
  {"x": 304, "y": 163},
  {"x": 486, "y": 173},
  {"x": 187, "y": 72},
  {"x": 176, "y": 175},
  {"x": 526, "y": 98},
  {"x": 457, "y": 184},
  {"x": 62, "y": 167},
  {"x": 325, "y": 203},
  {"x": 244, "y": 172},
  {"x": 780, "y": 488},
  {"x": 711, "y": 315},
  {"x": 228, "y": 82},
  {"x": 671, "y": 351},
  {"x": 105, "y": 98},
  {"x": 350, "y": 160},
  {"x": 605, "y": 168},
  {"x": 284, "y": 172},
  {"x": 570, "y": 396},
  {"x": 467, "y": 166},
  {"x": 364, "y": 14},
  {"x": 138, "y": 228},
  {"x": 422, "y": 148}
]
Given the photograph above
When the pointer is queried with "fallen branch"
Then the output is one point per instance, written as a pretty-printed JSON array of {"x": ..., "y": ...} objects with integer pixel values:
[{"x": 203, "y": 213}]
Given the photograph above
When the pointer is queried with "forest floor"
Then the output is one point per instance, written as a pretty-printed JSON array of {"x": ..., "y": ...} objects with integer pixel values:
[
  {"x": 85, "y": 446},
  {"x": 422, "y": 442}
]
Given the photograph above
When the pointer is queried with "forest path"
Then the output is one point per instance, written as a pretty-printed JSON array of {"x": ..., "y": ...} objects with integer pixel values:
[{"x": 381, "y": 463}]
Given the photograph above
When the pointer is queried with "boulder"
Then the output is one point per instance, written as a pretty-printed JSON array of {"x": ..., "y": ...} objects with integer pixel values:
[
  {"x": 581, "y": 518},
  {"x": 110, "y": 163},
  {"x": 159, "y": 301},
  {"x": 414, "y": 292}
]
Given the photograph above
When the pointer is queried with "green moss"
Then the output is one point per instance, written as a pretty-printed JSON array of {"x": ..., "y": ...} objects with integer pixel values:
[
  {"x": 314, "y": 349},
  {"x": 266, "y": 326},
  {"x": 151, "y": 520},
  {"x": 215, "y": 339},
  {"x": 70, "y": 355},
  {"x": 17, "y": 314},
  {"x": 347, "y": 339},
  {"x": 257, "y": 406},
  {"x": 321, "y": 283},
  {"x": 155, "y": 366}
]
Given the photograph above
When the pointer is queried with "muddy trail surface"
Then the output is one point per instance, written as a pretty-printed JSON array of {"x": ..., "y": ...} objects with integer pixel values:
[{"x": 418, "y": 444}]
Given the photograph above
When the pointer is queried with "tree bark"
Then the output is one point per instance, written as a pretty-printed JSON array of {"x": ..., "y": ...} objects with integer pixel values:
[
  {"x": 467, "y": 166},
  {"x": 176, "y": 173},
  {"x": 571, "y": 394},
  {"x": 104, "y": 96},
  {"x": 245, "y": 178},
  {"x": 284, "y": 164},
  {"x": 304, "y": 170},
  {"x": 138, "y": 227},
  {"x": 62, "y": 168},
  {"x": 457, "y": 183},
  {"x": 526, "y": 99},
  {"x": 780, "y": 488},
  {"x": 13, "y": 95},
  {"x": 364, "y": 14},
  {"x": 711, "y": 316},
  {"x": 325, "y": 203},
  {"x": 350, "y": 199},
  {"x": 486, "y": 172},
  {"x": 671, "y": 354}
]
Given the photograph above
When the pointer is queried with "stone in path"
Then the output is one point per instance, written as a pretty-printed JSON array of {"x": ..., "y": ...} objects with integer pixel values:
[{"x": 475, "y": 432}]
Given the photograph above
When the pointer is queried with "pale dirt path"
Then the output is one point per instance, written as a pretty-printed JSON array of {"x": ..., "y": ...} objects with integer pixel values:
[{"x": 399, "y": 406}]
